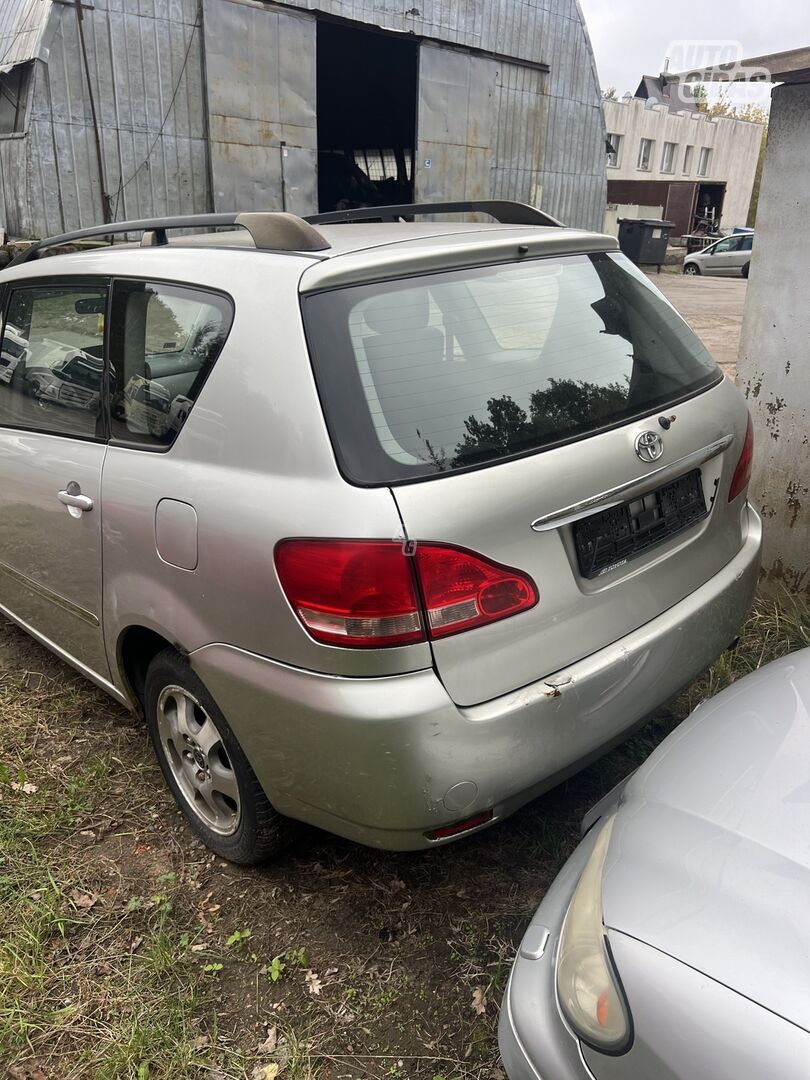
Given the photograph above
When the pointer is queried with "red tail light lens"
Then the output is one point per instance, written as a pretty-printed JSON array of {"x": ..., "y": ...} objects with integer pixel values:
[
  {"x": 462, "y": 590},
  {"x": 358, "y": 593},
  {"x": 742, "y": 474},
  {"x": 363, "y": 593}
]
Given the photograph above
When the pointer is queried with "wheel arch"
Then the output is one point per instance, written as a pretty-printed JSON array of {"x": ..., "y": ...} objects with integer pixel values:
[{"x": 136, "y": 649}]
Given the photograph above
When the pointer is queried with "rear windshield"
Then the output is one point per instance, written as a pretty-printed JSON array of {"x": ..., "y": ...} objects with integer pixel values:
[{"x": 455, "y": 370}]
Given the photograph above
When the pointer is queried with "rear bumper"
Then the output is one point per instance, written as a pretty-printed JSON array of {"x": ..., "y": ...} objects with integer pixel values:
[{"x": 383, "y": 760}]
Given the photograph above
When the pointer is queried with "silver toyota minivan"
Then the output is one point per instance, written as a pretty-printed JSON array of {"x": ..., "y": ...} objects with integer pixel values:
[{"x": 382, "y": 525}]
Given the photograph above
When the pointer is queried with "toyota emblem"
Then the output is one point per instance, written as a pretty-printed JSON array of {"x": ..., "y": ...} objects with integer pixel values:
[{"x": 649, "y": 446}]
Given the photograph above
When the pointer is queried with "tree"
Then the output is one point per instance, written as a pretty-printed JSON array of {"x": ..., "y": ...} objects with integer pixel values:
[
  {"x": 700, "y": 96},
  {"x": 752, "y": 208},
  {"x": 754, "y": 114}
]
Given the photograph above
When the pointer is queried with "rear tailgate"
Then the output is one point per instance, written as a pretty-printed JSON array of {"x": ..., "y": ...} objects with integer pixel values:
[
  {"x": 506, "y": 406},
  {"x": 492, "y": 511}
]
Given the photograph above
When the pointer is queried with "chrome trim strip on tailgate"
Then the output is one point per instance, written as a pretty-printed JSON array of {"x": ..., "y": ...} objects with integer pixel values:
[
  {"x": 606, "y": 499},
  {"x": 49, "y": 594}
]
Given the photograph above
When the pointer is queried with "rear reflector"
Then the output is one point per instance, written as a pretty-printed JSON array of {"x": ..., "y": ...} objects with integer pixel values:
[
  {"x": 742, "y": 474},
  {"x": 371, "y": 594},
  {"x": 460, "y": 827}
]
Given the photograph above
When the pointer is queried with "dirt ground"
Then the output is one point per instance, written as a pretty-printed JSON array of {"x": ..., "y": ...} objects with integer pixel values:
[
  {"x": 713, "y": 307},
  {"x": 409, "y": 952}
]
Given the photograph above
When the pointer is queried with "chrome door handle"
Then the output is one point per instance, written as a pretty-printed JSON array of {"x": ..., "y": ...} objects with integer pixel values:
[{"x": 73, "y": 499}]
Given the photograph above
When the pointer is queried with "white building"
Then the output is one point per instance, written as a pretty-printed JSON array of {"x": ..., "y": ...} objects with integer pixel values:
[{"x": 668, "y": 154}]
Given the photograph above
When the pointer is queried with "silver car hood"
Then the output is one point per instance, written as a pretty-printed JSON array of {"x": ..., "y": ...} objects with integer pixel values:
[{"x": 710, "y": 854}]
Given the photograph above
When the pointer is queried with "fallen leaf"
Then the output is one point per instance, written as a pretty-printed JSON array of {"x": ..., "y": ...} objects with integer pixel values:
[
  {"x": 269, "y": 1044},
  {"x": 83, "y": 900},
  {"x": 265, "y": 1072},
  {"x": 27, "y": 788},
  {"x": 479, "y": 1001},
  {"x": 200, "y": 1042},
  {"x": 313, "y": 982},
  {"x": 135, "y": 943},
  {"x": 200, "y": 947}
]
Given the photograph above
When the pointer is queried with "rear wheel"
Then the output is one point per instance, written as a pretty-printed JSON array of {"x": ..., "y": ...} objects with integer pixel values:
[
  {"x": 205, "y": 767},
  {"x": 692, "y": 269}
]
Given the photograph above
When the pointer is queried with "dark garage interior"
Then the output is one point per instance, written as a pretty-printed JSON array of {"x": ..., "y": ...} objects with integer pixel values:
[{"x": 366, "y": 102}]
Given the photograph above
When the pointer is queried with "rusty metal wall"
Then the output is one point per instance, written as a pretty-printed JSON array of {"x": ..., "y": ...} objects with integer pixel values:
[
  {"x": 145, "y": 62},
  {"x": 260, "y": 67}
]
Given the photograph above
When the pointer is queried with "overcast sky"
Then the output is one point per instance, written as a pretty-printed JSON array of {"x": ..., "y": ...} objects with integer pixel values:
[{"x": 631, "y": 38}]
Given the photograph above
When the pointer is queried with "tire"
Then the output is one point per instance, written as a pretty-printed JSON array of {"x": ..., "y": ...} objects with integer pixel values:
[
  {"x": 205, "y": 768},
  {"x": 692, "y": 269},
  {"x": 745, "y": 270}
]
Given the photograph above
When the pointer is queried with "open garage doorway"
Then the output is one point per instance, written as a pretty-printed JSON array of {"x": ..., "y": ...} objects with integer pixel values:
[{"x": 366, "y": 102}]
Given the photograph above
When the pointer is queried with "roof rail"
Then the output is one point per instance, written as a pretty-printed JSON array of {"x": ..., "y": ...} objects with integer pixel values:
[
  {"x": 503, "y": 210},
  {"x": 271, "y": 231}
]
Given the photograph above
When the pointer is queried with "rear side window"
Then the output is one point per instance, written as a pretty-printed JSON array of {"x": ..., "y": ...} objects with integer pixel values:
[
  {"x": 450, "y": 371},
  {"x": 164, "y": 341},
  {"x": 52, "y": 359}
]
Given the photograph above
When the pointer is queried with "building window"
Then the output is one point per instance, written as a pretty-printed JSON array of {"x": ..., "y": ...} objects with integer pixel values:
[
  {"x": 14, "y": 94},
  {"x": 668, "y": 157},
  {"x": 703, "y": 160},
  {"x": 645, "y": 148},
  {"x": 687, "y": 158},
  {"x": 615, "y": 151}
]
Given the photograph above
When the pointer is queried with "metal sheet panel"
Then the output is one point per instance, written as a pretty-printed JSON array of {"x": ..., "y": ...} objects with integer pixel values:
[
  {"x": 23, "y": 31},
  {"x": 261, "y": 101},
  {"x": 544, "y": 131},
  {"x": 145, "y": 65},
  {"x": 15, "y": 203},
  {"x": 456, "y": 124}
]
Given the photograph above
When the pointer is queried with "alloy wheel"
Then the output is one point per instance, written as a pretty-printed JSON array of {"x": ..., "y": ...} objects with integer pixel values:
[{"x": 198, "y": 760}]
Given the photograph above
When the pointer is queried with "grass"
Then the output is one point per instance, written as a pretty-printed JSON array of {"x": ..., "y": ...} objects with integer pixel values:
[
  {"x": 103, "y": 986},
  {"x": 126, "y": 951}
]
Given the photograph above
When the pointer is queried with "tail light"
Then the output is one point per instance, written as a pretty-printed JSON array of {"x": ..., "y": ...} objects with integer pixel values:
[
  {"x": 742, "y": 474},
  {"x": 372, "y": 594}
]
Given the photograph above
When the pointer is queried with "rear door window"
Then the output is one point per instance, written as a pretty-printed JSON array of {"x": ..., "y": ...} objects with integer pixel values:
[
  {"x": 164, "y": 340},
  {"x": 52, "y": 359},
  {"x": 454, "y": 370}
]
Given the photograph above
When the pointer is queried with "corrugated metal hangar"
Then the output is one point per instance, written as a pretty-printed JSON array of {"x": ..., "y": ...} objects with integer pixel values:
[{"x": 121, "y": 109}]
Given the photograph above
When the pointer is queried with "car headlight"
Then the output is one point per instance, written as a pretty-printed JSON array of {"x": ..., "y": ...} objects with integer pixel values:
[{"x": 588, "y": 988}]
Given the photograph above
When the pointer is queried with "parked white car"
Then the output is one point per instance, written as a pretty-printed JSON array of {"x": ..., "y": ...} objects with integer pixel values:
[
  {"x": 14, "y": 349},
  {"x": 729, "y": 257}
]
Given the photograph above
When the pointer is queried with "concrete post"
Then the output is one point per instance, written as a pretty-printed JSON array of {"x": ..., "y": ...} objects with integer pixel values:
[{"x": 774, "y": 359}]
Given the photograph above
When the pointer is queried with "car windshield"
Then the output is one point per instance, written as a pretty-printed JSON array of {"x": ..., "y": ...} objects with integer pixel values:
[
  {"x": 84, "y": 371},
  {"x": 454, "y": 370}
]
